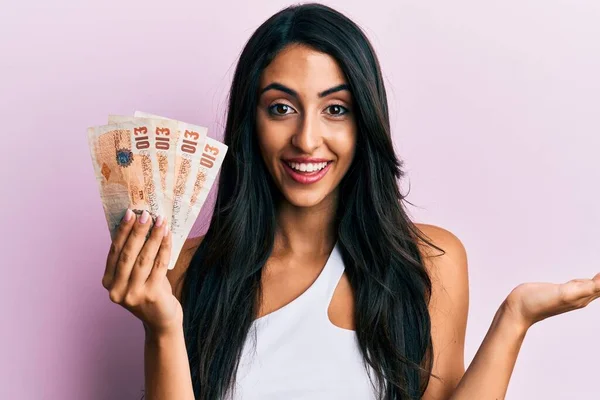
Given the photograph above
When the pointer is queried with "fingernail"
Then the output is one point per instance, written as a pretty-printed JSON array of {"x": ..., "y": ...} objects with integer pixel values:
[
  {"x": 144, "y": 218},
  {"x": 167, "y": 228},
  {"x": 128, "y": 215},
  {"x": 159, "y": 221}
]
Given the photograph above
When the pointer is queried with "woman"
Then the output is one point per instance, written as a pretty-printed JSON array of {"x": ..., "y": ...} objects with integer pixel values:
[{"x": 312, "y": 282}]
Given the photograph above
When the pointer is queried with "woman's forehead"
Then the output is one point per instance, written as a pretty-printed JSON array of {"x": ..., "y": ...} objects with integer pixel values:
[{"x": 304, "y": 70}]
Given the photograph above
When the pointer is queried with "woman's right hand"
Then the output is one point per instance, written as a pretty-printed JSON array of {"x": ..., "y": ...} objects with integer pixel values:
[{"x": 136, "y": 273}]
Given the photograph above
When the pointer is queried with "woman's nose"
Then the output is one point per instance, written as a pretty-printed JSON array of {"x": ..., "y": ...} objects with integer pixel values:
[{"x": 308, "y": 136}]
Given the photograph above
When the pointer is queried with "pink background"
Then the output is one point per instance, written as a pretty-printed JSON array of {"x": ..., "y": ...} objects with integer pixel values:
[{"x": 495, "y": 108}]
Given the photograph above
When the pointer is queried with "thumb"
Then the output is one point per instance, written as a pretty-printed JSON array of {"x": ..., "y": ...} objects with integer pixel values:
[{"x": 596, "y": 280}]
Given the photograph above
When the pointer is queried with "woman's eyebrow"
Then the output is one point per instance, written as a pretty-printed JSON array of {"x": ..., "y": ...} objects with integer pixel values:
[
  {"x": 334, "y": 89},
  {"x": 293, "y": 93},
  {"x": 280, "y": 87}
]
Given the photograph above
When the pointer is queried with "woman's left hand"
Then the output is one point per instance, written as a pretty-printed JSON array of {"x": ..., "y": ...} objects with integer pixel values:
[{"x": 534, "y": 302}]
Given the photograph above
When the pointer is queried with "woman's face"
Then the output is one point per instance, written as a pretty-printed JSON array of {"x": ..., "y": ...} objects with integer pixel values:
[{"x": 305, "y": 124}]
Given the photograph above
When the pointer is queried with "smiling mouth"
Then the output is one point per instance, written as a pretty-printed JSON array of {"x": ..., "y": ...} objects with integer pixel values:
[
  {"x": 313, "y": 172},
  {"x": 307, "y": 168}
]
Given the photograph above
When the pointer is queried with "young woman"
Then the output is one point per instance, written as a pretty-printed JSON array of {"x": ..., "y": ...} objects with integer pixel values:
[{"x": 311, "y": 281}]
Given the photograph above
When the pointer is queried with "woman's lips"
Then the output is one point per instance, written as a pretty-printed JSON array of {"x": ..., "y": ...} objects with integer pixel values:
[{"x": 304, "y": 177}]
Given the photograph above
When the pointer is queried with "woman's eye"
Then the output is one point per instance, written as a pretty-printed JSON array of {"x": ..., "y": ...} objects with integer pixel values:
[
  {"x": 280, "y": 109},
  {"x": 337, "y": 110}
]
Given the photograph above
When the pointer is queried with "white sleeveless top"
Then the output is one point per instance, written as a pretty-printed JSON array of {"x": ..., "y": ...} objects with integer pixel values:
[{"x": 296, "y": 353}]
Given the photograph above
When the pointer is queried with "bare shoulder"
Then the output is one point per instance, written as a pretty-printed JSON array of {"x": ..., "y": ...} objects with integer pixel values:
[
  {"x": 448, "y": 307},
  {"x": 440, "y": 237},
  {"x": 452, "y": 258},
  {"x": 448, "y": 269},
  {"x": 176, "y": 276}
]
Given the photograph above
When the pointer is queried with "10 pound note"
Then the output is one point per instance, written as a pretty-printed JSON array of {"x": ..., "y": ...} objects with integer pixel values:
[
  {"x": 122, "y": 163},
  {"x": 147, "y": 162}
]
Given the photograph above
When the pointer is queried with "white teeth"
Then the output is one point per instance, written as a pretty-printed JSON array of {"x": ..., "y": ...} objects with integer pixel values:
[{"x": 307, "y": 167}]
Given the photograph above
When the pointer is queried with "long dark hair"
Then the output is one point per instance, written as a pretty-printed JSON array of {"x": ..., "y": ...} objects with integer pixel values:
[{"x": 377, "y": 240}]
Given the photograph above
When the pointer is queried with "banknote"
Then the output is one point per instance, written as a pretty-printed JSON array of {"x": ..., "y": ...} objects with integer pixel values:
[
  {"x": 148, "y": 162},
  {"x": 200, "y": 173},
  {"x": 164, "y": 134},
  {"x": 187, "y": 159},
  {"x": 123, "y": 167},
  {"x": 213, "y": 154}
]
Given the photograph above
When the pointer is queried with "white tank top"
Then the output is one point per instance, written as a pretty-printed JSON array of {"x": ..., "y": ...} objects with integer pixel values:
[{"x": 296, "y": 353}]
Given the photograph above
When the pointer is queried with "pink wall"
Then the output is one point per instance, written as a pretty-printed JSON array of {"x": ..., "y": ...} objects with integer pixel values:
[{"x": 495, "y": 108}]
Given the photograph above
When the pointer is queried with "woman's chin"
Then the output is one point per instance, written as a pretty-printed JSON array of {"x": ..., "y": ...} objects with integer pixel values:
[{"x": 304, "y": 200}]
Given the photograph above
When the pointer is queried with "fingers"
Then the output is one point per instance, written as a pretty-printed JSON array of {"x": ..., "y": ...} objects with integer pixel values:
[
  {"x": 128, "y": 257},
  {"x": 146, "y": 259},
  {"x": 159, "y": 270},
  {"x": 116, "y": 246},
  {"x": 596, "y": 280},
  {"x": 580, "y": 292}
]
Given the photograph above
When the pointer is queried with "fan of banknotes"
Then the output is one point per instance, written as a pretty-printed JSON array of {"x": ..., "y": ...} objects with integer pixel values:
[{"x": 152, "y": 163}]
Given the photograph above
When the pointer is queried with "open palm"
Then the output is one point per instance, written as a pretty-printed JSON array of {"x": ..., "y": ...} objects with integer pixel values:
[{"x": 534, "y": 302}]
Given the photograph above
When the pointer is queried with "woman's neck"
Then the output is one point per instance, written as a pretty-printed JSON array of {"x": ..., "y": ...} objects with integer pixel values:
[{"x": 306, "y": 230}]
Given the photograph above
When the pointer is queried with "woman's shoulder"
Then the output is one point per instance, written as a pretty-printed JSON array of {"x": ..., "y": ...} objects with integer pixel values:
[
  {"x": 449, "y": 304},
  {"x": 176, "y": 275},
  {"x": 439, "y": 237},
  {"x": 447, "y": 268}
]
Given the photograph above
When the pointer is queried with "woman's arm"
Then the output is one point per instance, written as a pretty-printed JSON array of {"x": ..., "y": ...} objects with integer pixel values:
[
  {"x": 448, "y": 310},
  {"x": 489, "y": 373},
  {"x": 166, "y": 367}
]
